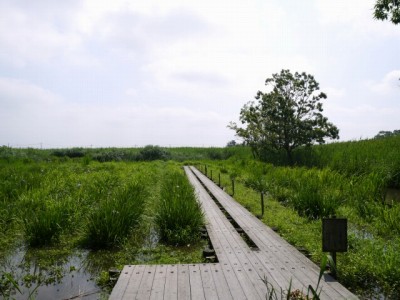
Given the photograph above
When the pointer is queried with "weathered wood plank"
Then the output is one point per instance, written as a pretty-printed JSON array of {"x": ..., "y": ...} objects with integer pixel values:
[
  {"x": 134, "y": 282},
  {"x": 146, "y": 284},
  {"x": 222, "y": 287},
  {"x": 209, "y": 287},
  {"x": 196, "y": 283},
  {"x": 171, "y": 282},
  {"x": 122, "y": 283},
  {"x": 157, "y": 291},
  {"x": 183, "y": 282}
]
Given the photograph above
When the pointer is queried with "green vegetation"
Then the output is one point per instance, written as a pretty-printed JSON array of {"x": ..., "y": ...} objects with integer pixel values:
[
  {"x": 300, "y": 196},
  {"x": 384, "y": 134},
  {"x": 85, "y": 209},
  {"x": 179, "y": 216},
  {"x": 286, "y": 118},
  {"x": 387, "y": 9},
  {"x": 116, "y": 216},
  {"x": 58, "y": 204}
]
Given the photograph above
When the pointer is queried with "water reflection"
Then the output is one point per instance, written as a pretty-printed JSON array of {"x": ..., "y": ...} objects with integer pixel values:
[{"x": 41, "y": 274}]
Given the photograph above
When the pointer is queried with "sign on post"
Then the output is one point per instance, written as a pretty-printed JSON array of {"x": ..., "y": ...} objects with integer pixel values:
[
  {"x": 334, "y": 238},
  {"x": 334, "y": 235}
]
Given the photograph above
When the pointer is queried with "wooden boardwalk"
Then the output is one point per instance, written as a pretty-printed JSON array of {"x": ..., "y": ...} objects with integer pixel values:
[{"x": 240, "y": 270}]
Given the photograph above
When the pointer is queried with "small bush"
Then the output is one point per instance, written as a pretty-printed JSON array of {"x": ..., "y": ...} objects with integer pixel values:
[
  {"x": 179, "y": 215},
  {"x": 150, "y": 152},
  {"x": 71, "y": 153}
]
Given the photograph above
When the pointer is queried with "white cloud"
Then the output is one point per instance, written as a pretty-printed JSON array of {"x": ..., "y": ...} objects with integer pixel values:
[
  {"x": 16, "y": 94},
  {"x": 135, "y": 72},
  {"x": 388, "y": 85},
  {"x": 356, "y": 16},
  {"x": 35, "y": 115},
  {"x": 334, "y": 93},
  {"x": 362, "y": 120},
  {"x": 40, "y": 34}
]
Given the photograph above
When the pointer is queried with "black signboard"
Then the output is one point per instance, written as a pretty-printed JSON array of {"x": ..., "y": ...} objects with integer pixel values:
[{"x": 334, "y": 235}]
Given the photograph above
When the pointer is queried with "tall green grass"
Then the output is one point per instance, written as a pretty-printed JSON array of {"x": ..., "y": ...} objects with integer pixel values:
[
  {"x": 44, "y": 223},
  {"x": 178, "y": 214},
  {"x": 116, "y": 216},
  {"x": 361, "y": 157}
]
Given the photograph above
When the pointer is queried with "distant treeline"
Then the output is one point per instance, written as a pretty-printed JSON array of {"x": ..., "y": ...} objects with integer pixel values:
[
  {"x": 148, "y": 153},
  {"x": 379, "y": 155}
]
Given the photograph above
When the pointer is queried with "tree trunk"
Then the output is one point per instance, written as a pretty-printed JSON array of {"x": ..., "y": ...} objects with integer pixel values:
[{"x": 289, "y": 156}]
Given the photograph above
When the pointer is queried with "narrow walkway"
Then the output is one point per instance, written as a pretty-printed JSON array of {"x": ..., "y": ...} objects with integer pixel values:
[{"x": 240, "y": 270}]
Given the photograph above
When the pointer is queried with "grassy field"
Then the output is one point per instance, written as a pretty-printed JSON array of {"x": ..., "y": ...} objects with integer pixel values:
[{"x": 120, "y": 206}]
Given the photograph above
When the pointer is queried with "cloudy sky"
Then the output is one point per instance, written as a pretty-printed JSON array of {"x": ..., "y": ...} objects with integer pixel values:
[{"x": 175, "y": 73}]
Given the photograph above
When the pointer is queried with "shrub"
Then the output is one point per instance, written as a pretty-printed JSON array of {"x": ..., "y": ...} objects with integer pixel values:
[{"x": 150, "y": 152}]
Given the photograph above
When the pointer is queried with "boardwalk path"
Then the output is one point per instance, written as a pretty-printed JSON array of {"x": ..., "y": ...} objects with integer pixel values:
[{"x": 240, "y": 270}]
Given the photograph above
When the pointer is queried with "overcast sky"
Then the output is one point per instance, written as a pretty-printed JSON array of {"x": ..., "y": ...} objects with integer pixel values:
[{"x": 175, "y": 73}]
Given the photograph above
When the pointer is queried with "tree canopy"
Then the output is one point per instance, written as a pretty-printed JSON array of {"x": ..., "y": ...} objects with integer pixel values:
[
  {"x": 387, "y": 9},
  {"x": 288, "y": 116},
  {"x": 384, "y": 134}
]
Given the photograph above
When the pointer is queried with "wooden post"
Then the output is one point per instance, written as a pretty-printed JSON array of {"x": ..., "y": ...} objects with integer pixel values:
[
  {"x": 233, "y": 187},
  {"x": 205, "y": 172},
  {"x": 333, "y": 268},
  {"x": 211, "y": 174},
  {"x": 262, "y": 204},
  {"x": 219, "y": 179}
]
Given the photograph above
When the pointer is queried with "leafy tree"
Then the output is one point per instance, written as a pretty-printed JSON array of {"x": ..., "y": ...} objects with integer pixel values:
[
  {"x": 151, "y": 152},
  {"x": 384, "y": 134},
  {"x": 231, "y": 143},
  {"x": 287, "y": 117},
  {"x": 387, "y": 9}
]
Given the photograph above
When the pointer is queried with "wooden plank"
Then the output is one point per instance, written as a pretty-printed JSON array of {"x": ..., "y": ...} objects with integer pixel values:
[
  {"x": 209, "y": 287},
  {"x": 234, "y": 266},
  {"x": 222, "y": 287},
  {"x": 183, "y": 282},
  {"x": 237, "y": 262},
  {"x": 253, "y": 265},
  {"x": 248, "y": 263},
  {"x": 134, "y": 282},
  {"x": 171, "y": 282},
  {"x": 146, "y": 283},
  {"x": 196, "y": 283},
  {"x": 288, "y": 258},
  {"x": 157, "y": 291},
  {"x": 122, "y": 283}
]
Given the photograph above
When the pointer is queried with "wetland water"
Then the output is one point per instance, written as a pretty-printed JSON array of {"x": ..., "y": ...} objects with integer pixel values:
[{"x": 71, "y": 276}]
